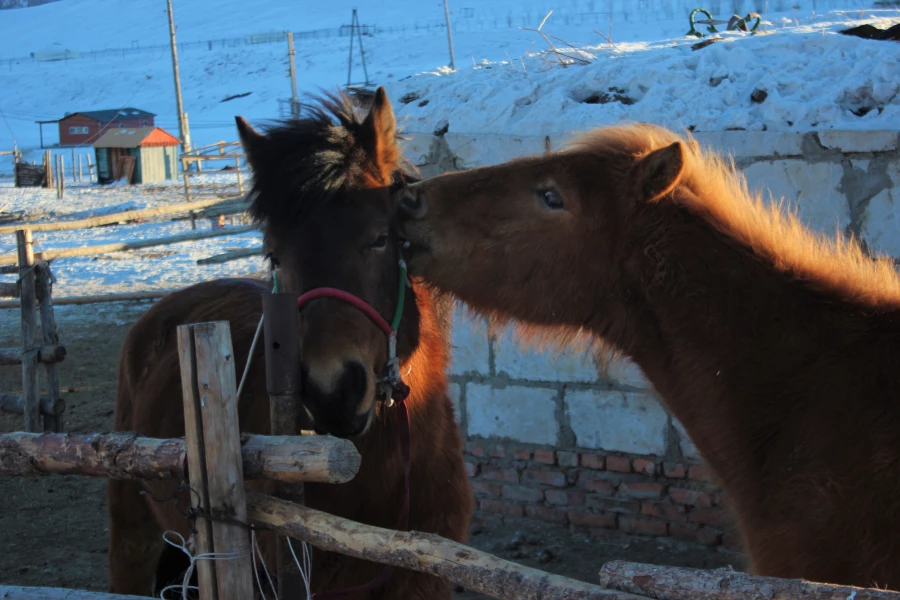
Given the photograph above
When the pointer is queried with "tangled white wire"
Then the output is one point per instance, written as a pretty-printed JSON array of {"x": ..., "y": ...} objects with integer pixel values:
[
  {"x": 185, "y": 582},
  {"x": 306, "y": 568}
]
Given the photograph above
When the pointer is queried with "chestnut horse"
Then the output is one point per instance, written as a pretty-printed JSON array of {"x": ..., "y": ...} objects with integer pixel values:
[
  {"x": 771, "y": 345},
  {"x": 321, "y": 193}
]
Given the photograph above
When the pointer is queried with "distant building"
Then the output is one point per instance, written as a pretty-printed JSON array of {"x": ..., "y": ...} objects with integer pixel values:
[
  {"x": 85, "y": 128},
  {"x": 149, "y": 153}
]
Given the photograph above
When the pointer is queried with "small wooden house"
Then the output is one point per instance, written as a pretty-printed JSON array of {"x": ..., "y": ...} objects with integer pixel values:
[{"x": 142, "y": 154}]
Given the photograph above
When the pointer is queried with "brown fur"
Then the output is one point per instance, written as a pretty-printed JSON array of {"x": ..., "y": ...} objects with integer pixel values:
[
  {"x": 322, "y": 237},
  {"x": 771, "y": 344}
]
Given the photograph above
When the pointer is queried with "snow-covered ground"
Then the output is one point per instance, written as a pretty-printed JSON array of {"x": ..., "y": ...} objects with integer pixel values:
[{"x": 505, "y": 82}]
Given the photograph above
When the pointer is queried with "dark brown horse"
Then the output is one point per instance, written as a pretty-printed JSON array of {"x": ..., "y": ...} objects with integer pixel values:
[
  {"x": 321, "y": 193},
  {"x": 775, "y": 347}
]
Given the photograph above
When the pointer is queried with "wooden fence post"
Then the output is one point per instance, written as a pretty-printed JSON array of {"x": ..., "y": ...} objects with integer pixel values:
[
  {"x": 237, "y": 165},
  {"x": 62, "y": 176},
  {"x": 215, "y": 465},
  {"x": 90, "y": 165},
  {"x": 50, "y": 338},
  {"x": 74, "y": 178},
  {"x": 281, "y": 332},
  {"x": 30, "y": 396},
  {"x": 48, "y": 170}
]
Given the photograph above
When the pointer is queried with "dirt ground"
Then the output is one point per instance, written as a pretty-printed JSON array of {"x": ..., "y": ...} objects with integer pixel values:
[{"x": 53, "y": 530}]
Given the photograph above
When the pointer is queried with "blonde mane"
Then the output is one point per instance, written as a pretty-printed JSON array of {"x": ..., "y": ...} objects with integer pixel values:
[{"x": 720, "y": 194}]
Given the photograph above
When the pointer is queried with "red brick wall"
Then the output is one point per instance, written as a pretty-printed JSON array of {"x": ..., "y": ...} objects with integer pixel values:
[{"x": 597, "y": 492}]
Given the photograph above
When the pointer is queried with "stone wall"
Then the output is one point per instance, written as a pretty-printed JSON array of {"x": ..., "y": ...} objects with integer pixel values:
[{"x": 558, "y": 435}]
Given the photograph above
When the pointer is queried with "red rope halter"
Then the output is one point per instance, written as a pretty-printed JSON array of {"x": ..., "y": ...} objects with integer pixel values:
[{"x": 399, "y": 392}]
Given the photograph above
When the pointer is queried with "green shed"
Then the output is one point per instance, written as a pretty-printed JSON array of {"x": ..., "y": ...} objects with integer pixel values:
[{"x": 143, "y": 154}]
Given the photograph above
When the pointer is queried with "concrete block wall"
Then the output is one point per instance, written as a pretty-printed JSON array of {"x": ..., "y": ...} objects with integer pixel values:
[{"x": 555, "y": 435}]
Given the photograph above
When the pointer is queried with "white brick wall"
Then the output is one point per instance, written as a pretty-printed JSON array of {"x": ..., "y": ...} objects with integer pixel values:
[
  {"x": 615, "y": 421},
  {"x": 522, "y": 414}
]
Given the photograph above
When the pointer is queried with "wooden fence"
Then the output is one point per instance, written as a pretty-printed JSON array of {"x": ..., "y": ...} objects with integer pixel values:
[
  {"x": 33, "y": 290},
  {"x": 194, "y": 162},
  {"x": 219, "y": 460}
]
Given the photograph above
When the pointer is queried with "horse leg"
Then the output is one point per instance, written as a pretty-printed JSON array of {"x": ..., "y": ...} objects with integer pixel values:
[{"x": 135, "y": 540}]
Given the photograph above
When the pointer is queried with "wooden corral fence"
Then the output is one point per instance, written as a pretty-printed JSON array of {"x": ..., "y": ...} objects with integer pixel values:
[
  {"x": 206, "y": 208},
  {"x": 33, "y": 290},
  {"x": 194, "y": 162},
  {"x": 51, "y": 171},
  {"x": 219, "y": 459}
]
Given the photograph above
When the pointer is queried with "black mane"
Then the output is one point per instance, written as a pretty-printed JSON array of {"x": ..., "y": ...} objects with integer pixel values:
[{"x": 306, "y": 162}]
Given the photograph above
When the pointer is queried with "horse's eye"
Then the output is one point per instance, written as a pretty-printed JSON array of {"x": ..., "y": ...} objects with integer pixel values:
[
  {"x": 380, "y": 243},
  {"x": 551, "y": 199}
]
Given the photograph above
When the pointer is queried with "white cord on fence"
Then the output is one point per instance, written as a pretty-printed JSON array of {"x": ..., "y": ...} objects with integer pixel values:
[
  {"x": 265, "y": 569},
  {"x": 306, "y": 568},
  {"x": 185, "y": 582},
  {"x": 250, "y": 356}
]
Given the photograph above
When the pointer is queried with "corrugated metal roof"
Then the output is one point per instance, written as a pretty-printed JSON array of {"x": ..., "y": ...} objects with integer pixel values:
[
  {"x": 134, "y": 137},
  {"x": 114, "y": 114}
]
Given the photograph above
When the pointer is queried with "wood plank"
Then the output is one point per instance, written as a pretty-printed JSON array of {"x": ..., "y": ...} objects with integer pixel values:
[
  {"x": 425, "y": 552},
  {"x": 229, "y": 256},
  {"x": 281, "y": 335},
  {"x": 29, "y": 355},
  {"x": 50, "y": 338},
  {"x": 124, "y": 455},
  {"x": 193, "y": 438},
  {"x": 45, "y": 354},
  {"x": 121, "y": 217},
  {"x": 15, "y": 405},
  {"x": 48, "y": 255},
  {"x": 222, "y": 451},
  {"x": 678, "y": 583}
]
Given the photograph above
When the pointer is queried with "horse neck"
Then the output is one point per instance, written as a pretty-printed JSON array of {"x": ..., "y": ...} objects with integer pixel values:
[{"x": 722, "y": 333}]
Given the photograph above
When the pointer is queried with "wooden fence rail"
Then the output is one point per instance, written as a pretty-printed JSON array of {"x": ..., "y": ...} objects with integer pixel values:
[
  {"x": 45, "y": 355},
  {"x": 679, "y": 583},
  {"x": 124, "y": 455},
  {"x": 48, "y": 255},
  {"x": 463, "y": 565},
  {"x": 99, "y": 298},
  {"x": 15, "y": 405},
  {"x": 120, "y": 217}
]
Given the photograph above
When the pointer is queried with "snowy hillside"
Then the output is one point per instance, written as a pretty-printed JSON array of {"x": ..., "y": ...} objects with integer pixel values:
[
  {"x": 125, "y": 60},
  {"x": 633, "y": 61}
]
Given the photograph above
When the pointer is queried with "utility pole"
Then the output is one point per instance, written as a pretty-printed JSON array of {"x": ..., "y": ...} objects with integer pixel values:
[
  {"x": 295, "y": 100},
  {"x": 449, "y": 35},
  {"x": 182, "y": 118}
]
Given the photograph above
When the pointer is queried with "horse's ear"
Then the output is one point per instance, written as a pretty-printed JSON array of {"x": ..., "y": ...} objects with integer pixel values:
[
  {"x": 657, "y": 174},
  {"x": 379, "y": 135},
  {"x": 251, "y": 141}
]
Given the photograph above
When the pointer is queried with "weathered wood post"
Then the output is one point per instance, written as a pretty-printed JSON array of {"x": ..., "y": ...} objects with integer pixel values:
[
  {"x": 53, "y": 422},
  {"x": 215, "y": 465},
  {"x": 27, "y": 297},
  {"x": 90, "y": 166},
  {"x": 281, "y": 332},
  {"x": 74, "y": 174},
  {"x": 237, "y": 165},
  {"x": 48, "y": 170}
]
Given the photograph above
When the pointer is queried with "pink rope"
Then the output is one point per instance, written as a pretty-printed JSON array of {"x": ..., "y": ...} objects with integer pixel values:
[{"x": 362, "y": 305}]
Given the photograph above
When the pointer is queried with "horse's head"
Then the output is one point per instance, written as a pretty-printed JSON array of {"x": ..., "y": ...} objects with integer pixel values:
[{"x": 321, "y": 191}]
